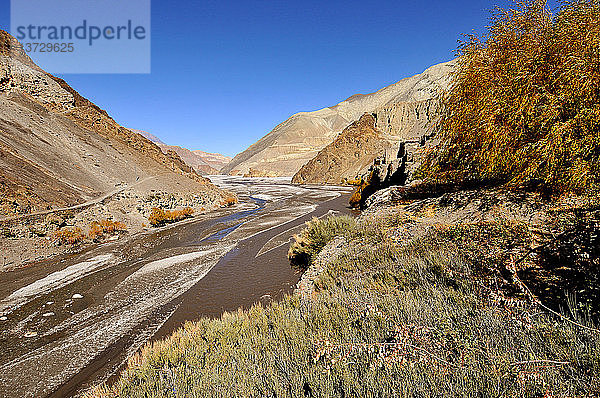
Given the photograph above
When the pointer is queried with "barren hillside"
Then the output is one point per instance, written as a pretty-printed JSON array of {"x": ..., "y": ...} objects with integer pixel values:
[
  {"x": 297, "y": 140},
  {"x": 59, "y": 149},
  {"x": 203, "y": 162}
]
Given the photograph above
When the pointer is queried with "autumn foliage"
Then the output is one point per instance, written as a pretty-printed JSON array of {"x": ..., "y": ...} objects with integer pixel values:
[
  {"x": 69, "y": 236},
  {"x": 160, "y": 217},
  {"x": 229, "y": 200},
  {"x": 524, "y": 107},
  {"x": 99, "y": 229}
]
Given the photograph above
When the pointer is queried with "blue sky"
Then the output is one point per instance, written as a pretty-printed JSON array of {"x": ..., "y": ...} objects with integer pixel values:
[{"x": 224, "y": 73}]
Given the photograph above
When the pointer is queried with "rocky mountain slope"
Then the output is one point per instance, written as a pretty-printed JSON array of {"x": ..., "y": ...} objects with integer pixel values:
[
  {"x": 402, "y": 110},
  {"x": 65, "y": 164},
  {"x": 204, "y": 163},
  {"x": 352, "y": 151},
  {"x": 59, "y": 149}
]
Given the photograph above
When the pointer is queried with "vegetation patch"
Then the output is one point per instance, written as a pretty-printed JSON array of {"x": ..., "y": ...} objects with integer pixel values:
[
  {"x": 524, "y": 107},
  {"x": 160, "y": 217},
  {"x": 229, "y": 200},
  {"x": 69, "y": 236},
  {"x": 388, "y": 320},
  {"x": 100, "y": 229},
  {"x": 315, "y": 236}
]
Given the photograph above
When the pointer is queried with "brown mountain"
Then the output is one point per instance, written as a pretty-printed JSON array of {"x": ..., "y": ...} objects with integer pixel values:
[
  {"x": 402, "y": 111},
  {"x": 351, "y": 152},
  {"x": 204, "y": 163},
  {"x": 58, "y": 149}
]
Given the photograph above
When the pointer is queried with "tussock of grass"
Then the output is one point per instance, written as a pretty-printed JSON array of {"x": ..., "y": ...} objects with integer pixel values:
[
  {"x": 315, "y": 236},
  {"x": 388, "y": 320}
]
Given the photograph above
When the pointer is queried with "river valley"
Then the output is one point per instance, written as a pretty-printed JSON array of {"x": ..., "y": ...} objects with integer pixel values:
[{"x": 71, "y": 322}]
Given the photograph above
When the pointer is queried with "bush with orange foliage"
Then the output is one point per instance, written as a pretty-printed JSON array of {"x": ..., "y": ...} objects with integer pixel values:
[
  {"x": 160, "y": 217},
  {"x": 229, "y": 200},
  {"x": 69, "y": 236},
  {"x": 98, "y": 229},
  {"x": 524, "y": 106}
]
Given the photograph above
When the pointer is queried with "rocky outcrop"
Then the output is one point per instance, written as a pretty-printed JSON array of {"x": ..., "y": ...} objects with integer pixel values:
[
  {"x": 387, "y": 171},
  {"x": 300, "y": 138},
  {"x": 352, "y": 151},
  {"x": 349, "y": 156}
]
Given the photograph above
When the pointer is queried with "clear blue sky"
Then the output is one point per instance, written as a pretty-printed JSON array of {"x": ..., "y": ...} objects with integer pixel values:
[{"x": 224, "y": 73}]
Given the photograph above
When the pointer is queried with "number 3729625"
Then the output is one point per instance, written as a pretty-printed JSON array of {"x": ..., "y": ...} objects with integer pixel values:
[{"x": 49, "y": 47}]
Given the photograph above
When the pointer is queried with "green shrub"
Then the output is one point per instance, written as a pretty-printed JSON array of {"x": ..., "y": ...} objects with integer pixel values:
[
  {"x": 524, "y": 106},
  {"x": 315, "y": 236}
]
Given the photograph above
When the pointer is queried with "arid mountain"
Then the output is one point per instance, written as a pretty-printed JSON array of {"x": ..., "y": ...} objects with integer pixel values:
[
  {"x": 204, "y": 163},
  {"x": 400, "y": 108},
  {"x": 352, "y": 151},
  {"x": 58, "y": 149}
]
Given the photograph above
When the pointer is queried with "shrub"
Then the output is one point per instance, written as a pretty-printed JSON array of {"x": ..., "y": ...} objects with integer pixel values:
[
  {"x": 229, "y": 200},
  {"x": 160, "y": 217},
  {"x": 69, "y": 236},
  {"x": 315, "y": 236},
  {"x": 524, "y": 106},
  {"x": 98, "y": 229}
]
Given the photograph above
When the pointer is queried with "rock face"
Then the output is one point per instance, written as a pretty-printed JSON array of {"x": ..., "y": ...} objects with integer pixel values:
[
  {"x": 202, "y": 162},
  {"x": 401, "y": 111},
  {"x": 58, "y": 149},
  {"x": 352, "y": 151}
]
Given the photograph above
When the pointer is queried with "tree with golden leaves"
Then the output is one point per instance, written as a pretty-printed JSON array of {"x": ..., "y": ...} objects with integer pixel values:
[{"x": 524, "y": 105}]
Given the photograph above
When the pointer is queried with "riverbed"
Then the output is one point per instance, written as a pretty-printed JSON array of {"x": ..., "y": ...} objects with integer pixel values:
[{"x": 72, "y": 322}]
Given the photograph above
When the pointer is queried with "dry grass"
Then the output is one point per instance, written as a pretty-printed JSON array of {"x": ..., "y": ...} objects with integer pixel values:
[
  {"x": 387, "y": 320},
  {"x": 160, "y": 217},
  {"x": 315, "y": 236}
]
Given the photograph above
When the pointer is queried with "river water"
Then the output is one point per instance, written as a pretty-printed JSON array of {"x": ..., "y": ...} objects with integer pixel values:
[{"x": 72, "y": 322}]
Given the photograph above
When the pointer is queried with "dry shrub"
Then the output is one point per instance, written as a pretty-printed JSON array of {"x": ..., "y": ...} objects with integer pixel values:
[
  {"x": 364, "y": 189},
  {"x": 229, "y": 200},
  {"x": 524, "y": 107},
  {"x": 69, "y": 236},
  {"x": 160, "y": 217},
  {"x": 98, "y": 229}
]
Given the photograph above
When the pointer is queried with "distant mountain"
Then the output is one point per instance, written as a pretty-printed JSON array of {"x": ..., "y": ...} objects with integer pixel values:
[
  {"x": 402, "y": 110},
  {"x": 58, "y": 149},
  {"x": 204, "y": 163}
]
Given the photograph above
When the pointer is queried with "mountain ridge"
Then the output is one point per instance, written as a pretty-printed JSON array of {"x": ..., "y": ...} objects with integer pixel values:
[
  {"x": 58, "y": 149},
  {"x": 204, "y": 163}
]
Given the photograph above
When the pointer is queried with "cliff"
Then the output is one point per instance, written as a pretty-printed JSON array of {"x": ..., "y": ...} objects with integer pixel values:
[{"x": 353, "y": 150}]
